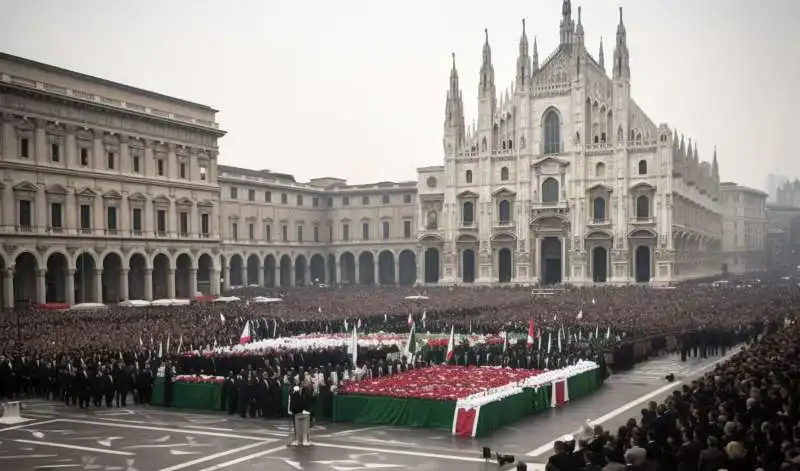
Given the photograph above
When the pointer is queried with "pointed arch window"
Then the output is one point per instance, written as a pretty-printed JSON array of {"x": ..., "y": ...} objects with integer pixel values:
[
  {"x": 550, "y": 191},
  {"x": 504, "y": 174},
  {"x": 552, "y": 133},
  {"x": 599, "y": 209},
  {"x": 643, "y": 167},
  {"x": 468, "y": 176},
  {"x": 642, "y": 207},
  {"x": 504, "y": 212},
  {"x": 600, "y": 170},
  {"x": 468, "y": 214}
]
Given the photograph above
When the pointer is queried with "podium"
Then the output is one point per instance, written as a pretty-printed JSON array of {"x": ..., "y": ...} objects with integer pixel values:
[{"x": 302, "y": 427}]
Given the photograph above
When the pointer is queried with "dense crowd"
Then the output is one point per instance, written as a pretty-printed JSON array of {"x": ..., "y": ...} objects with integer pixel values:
[{"x": 744, "y": 415}]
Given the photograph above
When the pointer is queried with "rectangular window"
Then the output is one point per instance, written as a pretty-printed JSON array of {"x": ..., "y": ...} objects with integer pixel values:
[
  {"x": 205, "y": 226},
  {"x": 86, "y": 217},
  {"x": 299, "y": 233},
  {"x": 111, "y": 160},
  {"x": 54, "y": 152},
  {"x": 268, "y": 197},
  {"x": 315, "y": 202},
  {"x": 251, "y": 195},
  {"x": 183, "y": 170},
  {"x": 25, "y": 214},
  {"x": 364, "y": 200},
  {"x": 184, "y": 223},
  {"x": 84, "y": 156},
  {"x": 285, "y": 233},
  {"x": 406, "y": 198},
  {"x": 330, "y": 202},
  {"x": 316, "y": 233},
  {"x": 160, "y": 164},
  {"x": 203, "y": 173},
  {"x": 235, "y": 231},
  {"x": 161, "y": 221},
  {"x": 365, "y": 231},
  {"x": 345, "y": 232},
  {"x": 137, "y": 220},
  {"x": 268, "y": 233},
  {"x": 385, "y": 228},
  {"x": 24, "y": 148},
  {"x": 346, "y": 201},
  {"x": 385, "y": 199},
  {"x": 299, "y": 200},
  {"x": 111, "y": 218},
  {"x": 234, "y": 192},
  {"x": 330, "y": 233},
  {"x": 56, "y": 220},
  {"x": 136, "y": 164},
  {"x": 284, "y": 198},
  {"x": 407, "y": 229},
  {"x": 251, "y": 231}
]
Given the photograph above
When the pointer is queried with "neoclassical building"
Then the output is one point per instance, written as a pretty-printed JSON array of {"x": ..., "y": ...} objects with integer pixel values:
[
  {"x": 110, "y": 193},
  {"x": 744, "y": 216},
  {"x": 564, "y": 178}
]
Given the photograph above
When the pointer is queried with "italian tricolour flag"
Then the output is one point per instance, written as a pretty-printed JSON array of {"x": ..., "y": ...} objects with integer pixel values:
[{"x": 559, "y": 392}]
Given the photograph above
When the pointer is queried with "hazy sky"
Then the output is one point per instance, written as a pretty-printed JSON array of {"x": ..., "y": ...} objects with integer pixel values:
[{"x": 356, "y": 88}]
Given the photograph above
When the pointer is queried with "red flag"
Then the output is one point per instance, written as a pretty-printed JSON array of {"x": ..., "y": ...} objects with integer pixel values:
[
  {"x": 245, "y": 337},
  {"x": 451, "y": 345},
  {"x": 531, "y": 333}
]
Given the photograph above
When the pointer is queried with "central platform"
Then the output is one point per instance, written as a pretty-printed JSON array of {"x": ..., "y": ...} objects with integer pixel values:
[{"x": 468, "y": 401}]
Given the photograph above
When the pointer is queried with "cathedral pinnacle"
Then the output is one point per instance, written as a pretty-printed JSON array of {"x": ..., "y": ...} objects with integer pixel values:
[
  {"x": 601, "y": 57},
  {"x": 535, "y": 54}
]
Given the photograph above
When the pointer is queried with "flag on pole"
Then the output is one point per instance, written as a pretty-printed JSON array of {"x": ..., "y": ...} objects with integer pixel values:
[
  {"x": 608, "y": 333},
  {"x": 358, "y": 324},
  {"x": 346, "y": 326},
  {"x": 559, "y": 340},
  {"x": 531, "y": 333},
  {"x": 451, "y": 344},
  {"x": 505, "y": 342},
  {"x": 275, "y": 327},
  {"x": 141, "y": 344},
  {"x": 424, "y": 314},
  {"x": 597, "y": 331},
  {"x": 169, "y": 337},
  {"x": 246, "y": 336},
  {"x": 385, "y": 317},
  {"x": 160, "y": 349},
  {"x": 353, "y": 347},
  {"x": 411, "y": 344},
  {"x": 180, "y": 345},
  {"x": 549, "y": 342},
  {"x": 410, "y": 320},
  {"x": 221, "y": 318}
]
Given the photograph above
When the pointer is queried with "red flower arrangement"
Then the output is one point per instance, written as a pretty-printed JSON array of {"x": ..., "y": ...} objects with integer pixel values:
[
  {"x": 202, "y": 379},
  {"x": 489, "y": 340},
  {"x": 439, "y": 383}
]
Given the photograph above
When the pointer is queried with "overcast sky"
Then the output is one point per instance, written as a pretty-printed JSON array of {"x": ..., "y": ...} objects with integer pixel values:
[{"x": 356, "y": 88}]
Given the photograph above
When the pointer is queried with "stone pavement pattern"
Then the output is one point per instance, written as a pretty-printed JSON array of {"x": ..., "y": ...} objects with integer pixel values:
[{"x": 154, "y": 439}]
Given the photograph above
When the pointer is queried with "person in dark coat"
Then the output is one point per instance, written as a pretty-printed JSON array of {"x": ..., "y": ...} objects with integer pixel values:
[
  {"x": 81, "y": 386},
  {"x": 229, "y": 393},
  {"x": 96, "y": 385},
  {"x": 296, "y": 405},
  {"x": 243, "y": 399},
  {"x": 107, "y": 385},
  {"x": 144, "y": 384},
  {"x": 168, "y": 385}
]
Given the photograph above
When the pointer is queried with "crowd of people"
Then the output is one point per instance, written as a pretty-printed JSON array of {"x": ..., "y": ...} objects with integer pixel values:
[{"x": 744, "y": 415}]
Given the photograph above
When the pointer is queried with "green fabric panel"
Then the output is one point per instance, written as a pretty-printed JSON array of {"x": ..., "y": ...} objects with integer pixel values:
[
  {"x": 189, "y": 395},
  {"x": 379, "y": 410},
  {"x": 584, "y": 384},
  {"x": 495, "y": 415}
]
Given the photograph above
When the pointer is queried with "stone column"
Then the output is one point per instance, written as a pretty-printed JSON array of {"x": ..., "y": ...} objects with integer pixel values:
[
  {"x": 124, "y": 155},
  {"x": 192, "y": 283},
  {"x": 420, "y": 260},
  {"x": 98, "y": 285},
  {"x": 277, "y": 273},
  {"x": 172, "y": 161},
  {"x": 338, "y": 271},
  {"x": 358, "y": 272},
  {"x": 376, "y": 272},
  {"x": 149, "y": 218},
  {"x": 148, "y": 164},
  {"x": 72, "y": 148},
  {"x": 307, "y": 275},
  {"x": 98, "y": 151},
  {"x": 40, "y": 212},
  {"x": 70, "y": 212},
  {"x": 8, "y": 288},
  {"x": 243, "y": 276},
  {"x": 148, "y": 284},
  {"x": 292, "y": 281},
  {"x": 41, "y": 150},
  {"x": 538, "y": 259},
  {"x": 69, "y": 274},
  {"x": 214, "y": 277},
  {"x": 261, "y": 275},
  {"x": 41, "y": 287},
  {"x": 172, "y": 219},
  {"x": 214, "y": 222},
  {"x": 564, "y": 264},
  {"x": 226, "y": 278},
  {"x": 171, "y": 283},
  {"x": 123, "y": 284},
  {"x": 397, "y": 271},
  {"x": 98, "y": 216},
  {"x": 125, "y": 216}
]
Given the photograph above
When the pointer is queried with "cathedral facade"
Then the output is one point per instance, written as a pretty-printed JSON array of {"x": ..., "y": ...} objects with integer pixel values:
[{"x": 565, "y": 179}]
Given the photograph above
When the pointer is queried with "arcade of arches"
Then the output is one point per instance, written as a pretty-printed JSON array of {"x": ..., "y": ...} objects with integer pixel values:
[{"x": 87, "y": 277}]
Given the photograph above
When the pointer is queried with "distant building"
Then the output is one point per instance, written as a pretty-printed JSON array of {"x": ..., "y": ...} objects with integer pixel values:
[
  {"x": 744, "y": 228},
  {"x": 774, "y": 181},
  {"x": 783, "y": 238},
  {"x": 788, "y": 193}
]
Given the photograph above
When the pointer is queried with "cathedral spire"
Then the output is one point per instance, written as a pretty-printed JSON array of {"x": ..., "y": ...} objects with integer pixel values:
[
  {"x": 579, "y": 30},
  {"x": 535, "y": 54},
  {"x": 601, "y": 57},
  {"x": 523, "y": 62},
  {"x": 622, "y": 68},
  {"x": 715, "y": 166},
  {"x": 487, "y": 70},
  {"x": 454, "y": 77},
  {"x": 567, "y": 25}
]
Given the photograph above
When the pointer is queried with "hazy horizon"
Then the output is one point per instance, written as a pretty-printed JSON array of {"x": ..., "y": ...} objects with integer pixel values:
[{"x": 308, "y": 90}]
